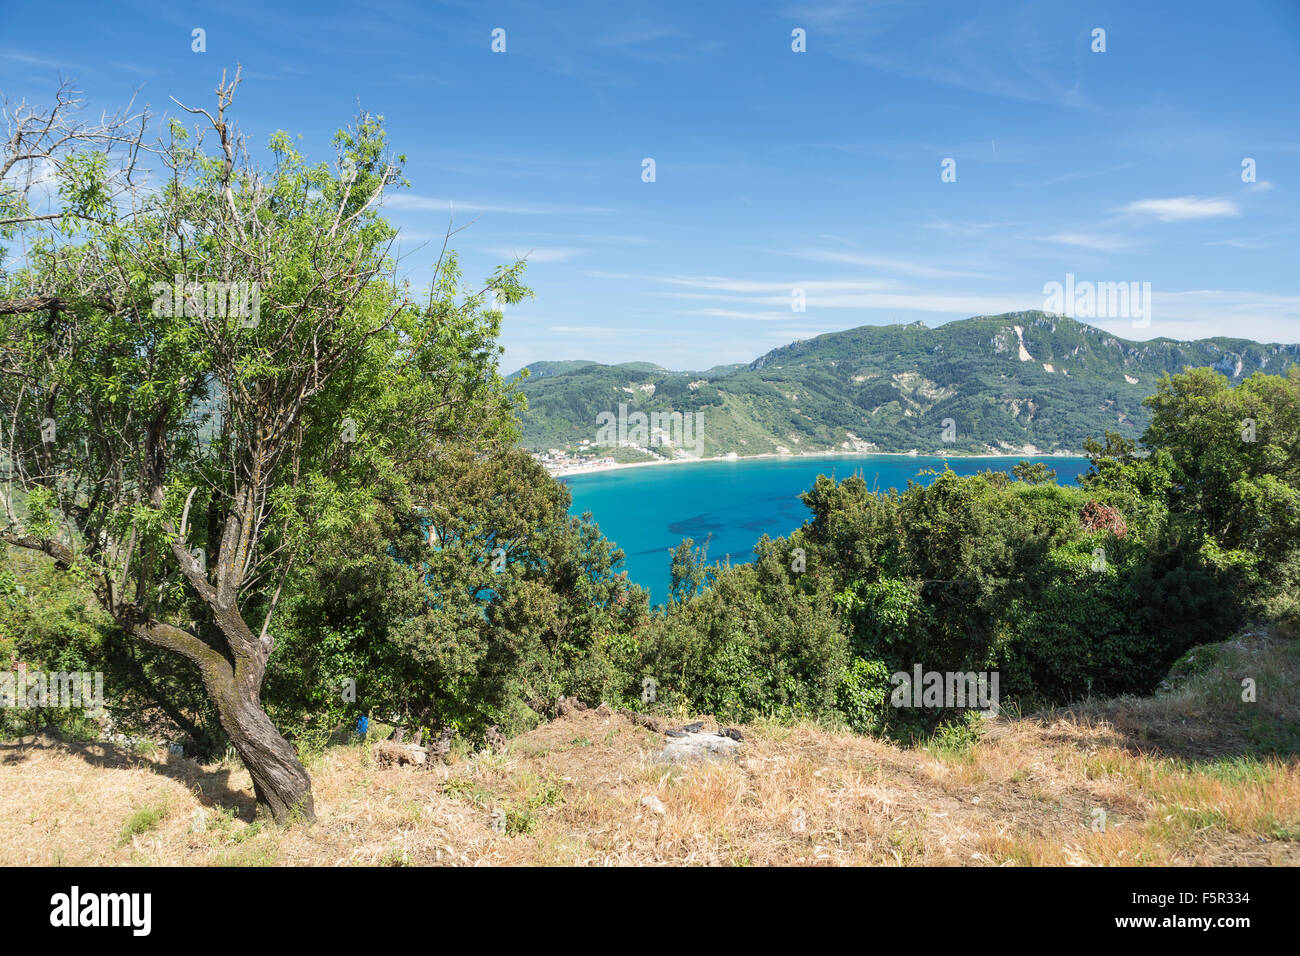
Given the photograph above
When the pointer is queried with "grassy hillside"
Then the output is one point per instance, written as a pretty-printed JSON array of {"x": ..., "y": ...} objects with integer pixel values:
[
  {"x": 1190, "y": 776},
  {"x": 1007, "y": 382}
]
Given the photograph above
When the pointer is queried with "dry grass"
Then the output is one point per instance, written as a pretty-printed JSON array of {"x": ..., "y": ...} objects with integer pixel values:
[{"x": 1182, "y": 778}]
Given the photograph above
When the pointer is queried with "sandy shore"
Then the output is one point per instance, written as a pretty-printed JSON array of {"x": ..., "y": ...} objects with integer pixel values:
[{"x": 591, "y": 469}]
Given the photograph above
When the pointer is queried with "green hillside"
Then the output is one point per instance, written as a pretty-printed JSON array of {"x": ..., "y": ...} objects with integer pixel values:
[{"x": 1049, "y": 385}]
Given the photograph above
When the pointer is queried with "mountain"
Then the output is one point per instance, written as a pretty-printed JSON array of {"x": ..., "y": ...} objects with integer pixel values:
[
  {"x": 547, "y": 369},
  {"x": 1022, "y": 381}
]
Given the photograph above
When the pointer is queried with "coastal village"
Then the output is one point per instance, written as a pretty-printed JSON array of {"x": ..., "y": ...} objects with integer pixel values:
[{"x": 587, "y": 456}]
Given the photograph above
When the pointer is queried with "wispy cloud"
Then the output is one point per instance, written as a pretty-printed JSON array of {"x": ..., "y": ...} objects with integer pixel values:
[
  {"x": 903, "y": 267},
  {"x": 601, "y": 330},
  {"x": 636, "y": 35},
  {"x": 760, "y": 286},
  {"x": 542, "y": 254},
  {"x": 1267, "y": 315},
  {"x": 1098, "y": 243},
  {"x": 972, "y": 229},
  {"x": 775, "y": 315},
  {"x": 980, "y": 54},
  {"x": 725, "y": 284},
  {"x": 640, "y": 240},
  {"x": 414, "y": 203},
  {"x": 1182, "y": 208},
  {"x": 29, "y": 59},
  {"x": 1238, "y": 243},
  {"x": 1080, "y": 175}
]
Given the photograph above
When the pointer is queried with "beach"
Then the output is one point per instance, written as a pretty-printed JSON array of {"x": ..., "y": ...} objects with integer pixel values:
[{"x": 562, "y": 472}]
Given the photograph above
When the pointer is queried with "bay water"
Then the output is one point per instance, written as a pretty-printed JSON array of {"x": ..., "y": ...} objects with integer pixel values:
[{"x": 648, "y": 511}]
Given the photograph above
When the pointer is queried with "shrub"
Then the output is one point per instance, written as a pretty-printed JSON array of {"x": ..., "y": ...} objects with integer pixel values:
[{"x": 862, "y": 697}]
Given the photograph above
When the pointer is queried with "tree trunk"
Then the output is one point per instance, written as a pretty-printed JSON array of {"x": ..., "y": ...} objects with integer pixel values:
[{"x": 281, "y": 783}]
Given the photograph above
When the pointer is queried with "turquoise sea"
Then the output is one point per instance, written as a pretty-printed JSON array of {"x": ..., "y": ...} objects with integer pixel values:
[{"x": 647, "y": 511}]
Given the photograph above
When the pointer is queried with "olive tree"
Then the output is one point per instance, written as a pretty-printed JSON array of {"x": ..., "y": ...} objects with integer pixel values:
[{"x": 211, "y": 370}]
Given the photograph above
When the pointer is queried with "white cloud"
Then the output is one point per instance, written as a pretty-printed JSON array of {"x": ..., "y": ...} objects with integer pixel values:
[
  {"x": 585, "y": 329},
  {"x": 612, "y": 238},
  {"x": 755, "y": 287},
  {"x": 543, "y": 254},
  {"x": 28, "y": 59},
  {"x": 1238, "y": 243},
  {"x": 1093, "y": 241},
  {"x": 1183, "y": 208},
  {"x": 723, "y": 284},
  {"x": 919, "y": 269},
  {"x": 772, "y": 316},
  {"x": 1198, "y": 313},
  {"x": 409, "y": 201}
]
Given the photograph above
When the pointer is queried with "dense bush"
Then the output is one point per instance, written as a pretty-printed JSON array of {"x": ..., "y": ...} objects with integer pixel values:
[
  {"x": 479, "y": 606},
  {"x": 754, "y": 643},
  {"x": 1064, "y": 591}
]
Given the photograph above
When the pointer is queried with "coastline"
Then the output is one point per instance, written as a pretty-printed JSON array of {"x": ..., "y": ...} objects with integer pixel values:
[{"x": 593, "y": 469}]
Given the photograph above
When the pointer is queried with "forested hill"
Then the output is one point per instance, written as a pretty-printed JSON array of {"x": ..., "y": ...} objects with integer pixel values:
[{"x": 1007, "y": 382}]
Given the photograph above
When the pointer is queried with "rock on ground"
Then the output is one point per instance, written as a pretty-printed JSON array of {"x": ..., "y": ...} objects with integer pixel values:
[{"x": 699, "y": 746}]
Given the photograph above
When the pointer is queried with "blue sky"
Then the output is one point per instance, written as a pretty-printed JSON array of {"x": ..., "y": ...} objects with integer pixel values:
[{"x": 775, "y": 170}]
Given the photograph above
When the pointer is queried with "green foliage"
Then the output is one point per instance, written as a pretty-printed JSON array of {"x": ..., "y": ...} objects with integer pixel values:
[
  {"x": 47, "y": 626},
  {"x": 1074, "y": 632},
  {"x": 954, "y": 739},
  {"x": 141, "y": 821},
  {"x": 754, "y": 644},
  {"x": 985, "y": 574},
  {"x": 1036, "y": 473},
  {"x": 478, "y": 607},
  {"x": 862, "y": 697},
  {"x": 1234, "y": 471},
  {"x": 522, "y": 814},
  {"x": 274, "y": 440},
  {"x": 689, "y": 572}
]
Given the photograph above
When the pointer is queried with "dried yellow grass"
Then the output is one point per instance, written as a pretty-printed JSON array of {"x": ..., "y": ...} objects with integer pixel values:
[{"x": 1028, "y": 792}]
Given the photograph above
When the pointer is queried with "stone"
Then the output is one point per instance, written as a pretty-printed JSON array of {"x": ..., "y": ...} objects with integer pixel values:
[
  {"x": 654, "y": 803},
  {"x": 568, "y": 705},
  {"x": 388, "y": 753},
  {"x": 699, "y": 746}
]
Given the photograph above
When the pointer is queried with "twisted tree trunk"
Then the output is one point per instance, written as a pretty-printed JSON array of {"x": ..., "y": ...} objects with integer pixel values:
[
  {"x": 234, "y": 683},
  {"x": 280, "y": 781}
]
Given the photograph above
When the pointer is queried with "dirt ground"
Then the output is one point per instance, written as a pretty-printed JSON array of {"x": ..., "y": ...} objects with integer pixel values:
[{"x": 1193, "y": 775}]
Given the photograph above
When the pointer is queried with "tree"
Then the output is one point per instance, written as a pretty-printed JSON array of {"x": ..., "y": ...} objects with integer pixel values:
[
  {"x": 478, "y": 606},
  {"x": 688, "y": 572},
  {"x": 1236, "y": 453},
  {"x": 214, "y": 373},
  {"x": 1036, "y": 473},
  {"x": 1116, "y": 448},
  {"x": 58, "y": 146}
]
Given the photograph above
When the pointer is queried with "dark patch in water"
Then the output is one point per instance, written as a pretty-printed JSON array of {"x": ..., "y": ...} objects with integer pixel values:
[
  {"x": 735, "y": 557},
  {"x": 638, "y": 554},
  {"x": 693, "y": 526}
]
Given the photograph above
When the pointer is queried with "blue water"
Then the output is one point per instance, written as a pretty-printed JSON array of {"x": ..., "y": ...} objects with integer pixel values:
[{"x": 647, "y": 511}]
